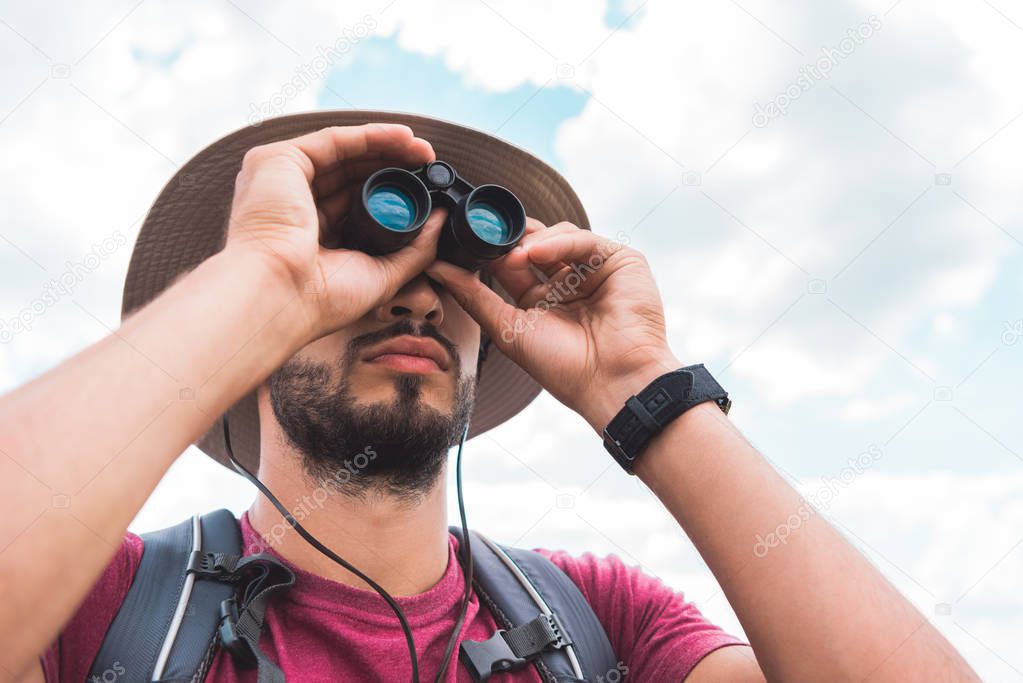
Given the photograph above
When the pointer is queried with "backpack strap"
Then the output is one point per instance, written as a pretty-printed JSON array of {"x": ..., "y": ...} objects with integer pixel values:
[
  {"x": 543, "y": 615},
  {"x": 192, "y": 591}
]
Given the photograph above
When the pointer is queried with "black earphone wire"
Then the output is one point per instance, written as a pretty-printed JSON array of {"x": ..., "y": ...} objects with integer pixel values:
[{"x": 464, "y": 550}]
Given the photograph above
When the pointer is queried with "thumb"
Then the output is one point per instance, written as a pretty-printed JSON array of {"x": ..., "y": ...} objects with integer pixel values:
[
  {"x": 401, "y": 266},
  {"x": 496, "y": 316}
]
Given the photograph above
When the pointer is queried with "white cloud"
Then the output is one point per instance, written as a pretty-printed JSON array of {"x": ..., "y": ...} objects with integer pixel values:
[{"x": 861, "y": 409}]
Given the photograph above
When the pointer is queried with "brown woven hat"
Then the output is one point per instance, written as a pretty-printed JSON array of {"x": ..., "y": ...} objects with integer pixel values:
[{"x": 187, "y": 224}]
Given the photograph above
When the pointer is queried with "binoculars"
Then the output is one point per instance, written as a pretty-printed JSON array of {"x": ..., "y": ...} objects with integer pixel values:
[{"x": 483, "y": 222}]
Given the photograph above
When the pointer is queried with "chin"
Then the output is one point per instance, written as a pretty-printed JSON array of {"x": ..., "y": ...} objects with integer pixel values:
[{"x": 408, "y": 390}]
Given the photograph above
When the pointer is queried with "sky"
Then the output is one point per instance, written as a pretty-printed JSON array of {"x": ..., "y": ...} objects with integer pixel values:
[{"x": 828, "y": 194}]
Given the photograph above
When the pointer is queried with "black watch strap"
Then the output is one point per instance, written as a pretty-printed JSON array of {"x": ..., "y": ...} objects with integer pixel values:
[{"x": 664, "y": 399}]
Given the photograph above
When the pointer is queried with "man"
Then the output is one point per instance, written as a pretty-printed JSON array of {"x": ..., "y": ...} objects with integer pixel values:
[{"x": 319, "y": 355}]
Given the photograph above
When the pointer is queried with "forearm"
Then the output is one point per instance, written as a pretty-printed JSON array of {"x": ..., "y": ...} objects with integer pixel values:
[
  {"x": 103, "y": 427},
  {"x": 813, "y": 608}
]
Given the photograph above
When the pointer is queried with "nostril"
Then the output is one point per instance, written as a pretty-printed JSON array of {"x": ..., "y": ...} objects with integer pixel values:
[
  {"x": 431, "y": 316},
  {"x": 400, "y": 310}
]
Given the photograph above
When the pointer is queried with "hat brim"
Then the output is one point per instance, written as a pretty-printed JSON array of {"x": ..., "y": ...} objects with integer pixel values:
[{"x": 187, "y": 224}]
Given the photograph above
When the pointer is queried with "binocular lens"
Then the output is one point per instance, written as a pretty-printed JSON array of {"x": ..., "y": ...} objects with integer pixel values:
[
  {"x": 392, "y": 207},
  {"x": 488, "y": 222},
  {"x": 483, "y": 222},
  {"x": 388, "y": 214}
]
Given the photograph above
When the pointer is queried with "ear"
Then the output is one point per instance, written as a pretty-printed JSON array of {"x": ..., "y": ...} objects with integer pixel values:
[{"x": 487, "y": 279}]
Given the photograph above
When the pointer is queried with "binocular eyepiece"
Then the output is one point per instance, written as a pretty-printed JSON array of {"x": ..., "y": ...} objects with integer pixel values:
[{"x": 483, "y": 222}]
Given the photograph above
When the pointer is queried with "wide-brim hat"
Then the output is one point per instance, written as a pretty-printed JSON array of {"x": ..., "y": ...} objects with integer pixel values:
[{"x": 187, "y": 224}]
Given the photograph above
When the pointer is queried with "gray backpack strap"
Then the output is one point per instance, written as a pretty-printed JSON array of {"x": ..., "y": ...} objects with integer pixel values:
[
  {"x": 173, "y": 617},
  {"x": 544, "y": 618}
]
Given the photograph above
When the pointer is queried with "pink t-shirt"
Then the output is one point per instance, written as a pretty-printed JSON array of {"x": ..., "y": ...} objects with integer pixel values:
[{"x": 322, "y": 630}]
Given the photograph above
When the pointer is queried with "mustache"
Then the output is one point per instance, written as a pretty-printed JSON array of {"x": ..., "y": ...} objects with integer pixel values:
[{"x": 401, "y": 328}]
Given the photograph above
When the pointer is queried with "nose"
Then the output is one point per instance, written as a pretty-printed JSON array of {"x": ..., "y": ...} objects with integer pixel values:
[{"x": 417, "y": 300}]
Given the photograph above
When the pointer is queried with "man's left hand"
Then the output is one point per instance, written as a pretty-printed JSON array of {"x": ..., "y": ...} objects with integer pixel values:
[{"x": 591, "y": 331}]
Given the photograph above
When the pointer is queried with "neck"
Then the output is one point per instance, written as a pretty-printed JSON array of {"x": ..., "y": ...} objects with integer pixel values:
[{"x": 401, "y": 545}]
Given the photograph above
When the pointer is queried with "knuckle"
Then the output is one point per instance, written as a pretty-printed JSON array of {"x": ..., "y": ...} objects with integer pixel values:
[
  {"x": 631, "y": 255},
  {"x": 264, "y": 154},
  {"x": 564, "y": 226},
  {"x": 275, "y": 212},
  {"x": 461, "y": 297},
  {"x": 632, "y": 252},
  {"x": 380, "y": 126},
  {"x": 394, "y": 271},
  {"x": 337, "y": 131},
  {"x": 255, "y": 156}
]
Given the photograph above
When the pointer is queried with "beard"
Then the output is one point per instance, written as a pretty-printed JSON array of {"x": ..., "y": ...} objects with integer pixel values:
[{"x": 398, "y": 447}]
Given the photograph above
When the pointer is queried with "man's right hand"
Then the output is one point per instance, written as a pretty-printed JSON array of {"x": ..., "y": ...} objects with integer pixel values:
[
  {"x": 131, "y": 403},
  {"x": 288, "y": 194}
]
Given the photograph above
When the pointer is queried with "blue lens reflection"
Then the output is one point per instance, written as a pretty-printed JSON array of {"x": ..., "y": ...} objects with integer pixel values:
[
  {"x": 391, "y": 207},
  {"x": 488, "y": 223}
]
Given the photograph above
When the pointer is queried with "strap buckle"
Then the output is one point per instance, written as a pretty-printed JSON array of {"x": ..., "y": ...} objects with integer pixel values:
[
  {"x": 512, "y": 649},
  {"x": 218, "y": 566},
  {"x": 239, "y": 647},
  {"x": 488, "y": 657},
  {"x": 614, "y": 447}
]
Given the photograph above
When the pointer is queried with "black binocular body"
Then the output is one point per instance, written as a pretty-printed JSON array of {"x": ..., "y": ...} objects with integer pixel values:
[{"x": 484, "y": 222}]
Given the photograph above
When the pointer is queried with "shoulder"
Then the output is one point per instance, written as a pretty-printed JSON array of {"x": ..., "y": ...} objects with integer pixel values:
[
  {"x": 71, "y": 654},
  {"x": 653, "y": 628}
]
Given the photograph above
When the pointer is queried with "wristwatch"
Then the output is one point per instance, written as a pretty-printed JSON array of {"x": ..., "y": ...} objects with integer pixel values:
[{"x": 648, "y": 412}]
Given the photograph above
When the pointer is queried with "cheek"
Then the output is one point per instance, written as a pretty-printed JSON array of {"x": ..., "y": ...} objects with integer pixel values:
[
  {"x": 329, "y": 349},
  {"x": 464, "y": 333}
]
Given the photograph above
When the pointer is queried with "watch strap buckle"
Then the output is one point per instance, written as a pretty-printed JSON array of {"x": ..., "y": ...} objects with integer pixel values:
[{"x": 647, "y": 413}]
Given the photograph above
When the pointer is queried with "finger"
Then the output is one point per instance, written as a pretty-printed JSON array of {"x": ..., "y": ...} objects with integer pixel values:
[
  {"x": 516, "y": 257},
  {"x": 271, "y": 191},
  {"x": 550, "y": 269},
  {"x": 483, "y": 304},
  {"x": 568, "y": 244},
  {"x": 588, "y": 261},
  {"x": 533, "y": 225},
  {"x": 514, "y": 270},
  {"x": 401, "y": 266},
  {"x": 356, "y": 170},
  {"x": 324, "y": 224},
  {"x": 329, "y": 147},
  {"x": 326, "y": 184},
  {"x": 553, "y": 290},
  {"x": 538, "y": 236},
  {"x": 337, "y": 207},
  {"x": 516, "y": 275}
]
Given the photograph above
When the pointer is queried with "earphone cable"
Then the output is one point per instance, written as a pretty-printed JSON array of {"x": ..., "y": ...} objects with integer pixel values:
[{"x": 311, "y": 540}]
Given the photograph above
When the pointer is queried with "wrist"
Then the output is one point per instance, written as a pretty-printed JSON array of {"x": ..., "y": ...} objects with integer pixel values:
[
  {"x": 272, "y": 292},
  {"x": 693, "y": 430},
  {"x": 611, "y": 396}
]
